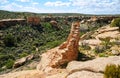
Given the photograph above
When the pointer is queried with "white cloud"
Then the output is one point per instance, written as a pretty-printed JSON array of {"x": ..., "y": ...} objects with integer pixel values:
[
  {"x": 35, "y": 3},
  {"x": 11, "y": 6},
  {"x": 95, "y": 3},
  {"x": 97, "y": 6},
  {"x": 57, "y": 3},
  {"x": 3, "y": 1},
  {"x": 79, "y": 2},
  {"x": 22, "y": 8},
  {"x": 24, "y": 0},
  {"x": 72, "y": 6}
]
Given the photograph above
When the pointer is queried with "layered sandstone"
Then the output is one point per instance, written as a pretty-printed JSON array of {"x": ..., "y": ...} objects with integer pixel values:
[
  {"x": 33, "y": 20},
  {"x": 62, "y": 54},
  {"x": 11, "y": 22},
  {"x": 75, "y": 69},
  {"x": 92, "y": 68}
]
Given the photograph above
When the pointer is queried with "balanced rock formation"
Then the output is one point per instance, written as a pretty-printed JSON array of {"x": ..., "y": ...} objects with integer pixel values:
[{"x": 62, "y": 54}]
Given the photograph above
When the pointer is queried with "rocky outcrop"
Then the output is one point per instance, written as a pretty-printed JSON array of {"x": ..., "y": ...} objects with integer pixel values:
[
  {"x": 104, "y": 32},
  {"x": 100, "y": 19},
  {"x": 75, "y": 69},
  {"x": 91, "y": 42},
  {"x": 24, "y": 74},
  {"x": 33, "y": 20},
  {"x": 56, "y": 73},
  {"x": 62, "y": 54},
  {"x": 85, "y": 74},
  {"x": 95, "y": 38},
  {"x": 91, "y": 69},
  {"x": 23, "y": 60},
  {"x": 11, "y": 22},
  {"x": 115, "y": 50},
  {"x": 54, "y": 24}
]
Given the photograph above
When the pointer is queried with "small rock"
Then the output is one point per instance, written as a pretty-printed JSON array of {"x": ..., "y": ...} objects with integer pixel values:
[
  {"x": 115, "y": 52},
  {"x": 29, "y": 57},
  {"x": 117, "y": 42},
  {"x": 23, "y": 60},
  {"x": 19, "y": 62}
]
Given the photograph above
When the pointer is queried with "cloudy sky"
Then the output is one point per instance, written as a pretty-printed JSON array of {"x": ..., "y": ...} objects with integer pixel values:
[{"x": 63, "y": 6}]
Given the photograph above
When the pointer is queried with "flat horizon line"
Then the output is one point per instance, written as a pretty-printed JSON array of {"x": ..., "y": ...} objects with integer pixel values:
[{"x": 57, "y": 12}]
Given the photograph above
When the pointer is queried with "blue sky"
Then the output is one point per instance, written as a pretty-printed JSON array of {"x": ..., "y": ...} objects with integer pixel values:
[{"x": 63, "y": 6}]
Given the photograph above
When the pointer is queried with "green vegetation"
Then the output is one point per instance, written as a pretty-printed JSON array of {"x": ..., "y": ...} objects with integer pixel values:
[
  {"x": 99, "y": 49},
  {"x": 116, "y": 23},
  {"x": 85, "y": 46},
  {"x": 19, "y": 41},
  {"x": 8, "y": 14},
  {"x": 6, "y": 60},
  {"x": 9, "y": 63},
  {"x": 106, "y": 44},
  {"x": 9, "y": 40},
  {"x": 112, "y": 71},
  {"x": 104, "y": 49},
  {"x": 102, "y": 55},
  {"x": 23, "y": 54},
  {"x": 12, "y": 15}
]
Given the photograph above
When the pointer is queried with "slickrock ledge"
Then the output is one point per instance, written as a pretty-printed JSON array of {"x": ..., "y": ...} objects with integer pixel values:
[{"x": 92, "y": 68}]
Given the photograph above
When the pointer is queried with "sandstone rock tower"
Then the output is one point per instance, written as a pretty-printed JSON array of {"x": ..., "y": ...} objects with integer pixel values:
[{"x": 62, "y": 54}]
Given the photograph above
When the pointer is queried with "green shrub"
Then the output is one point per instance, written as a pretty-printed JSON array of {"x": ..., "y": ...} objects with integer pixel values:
[
  {"x": 23, "y": 54},
  {"x": 54, "y": 44},
  {"x": 102, "y": 55},
  {"x": 112, "y": 71},
  {"x": 85, "y": 46},
  {"x": 4, "y": 59},
  {"x": 116, "y": 23},
  {"x": 99, "y": 49},
  {"x": 9, "y": 63},
  {"x": 9, "y": 40},
  {"x": 106, "y": 42}
]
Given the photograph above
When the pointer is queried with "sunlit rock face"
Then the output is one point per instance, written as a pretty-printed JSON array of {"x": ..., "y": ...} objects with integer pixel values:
[
  {"x": 33, "y": 20},
  {"x": 62, "y": 54}
]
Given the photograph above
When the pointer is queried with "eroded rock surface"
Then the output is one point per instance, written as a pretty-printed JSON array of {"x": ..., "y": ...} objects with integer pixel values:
[
  {"x": 62, "y": 54},
  {"x": 99, "y": 35},
  {"x": 85, "y": 74},
  {"x": 75, "y": 69},
  {"x": 25, "y": 74},
  {"x": 91, "y": 69}
]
